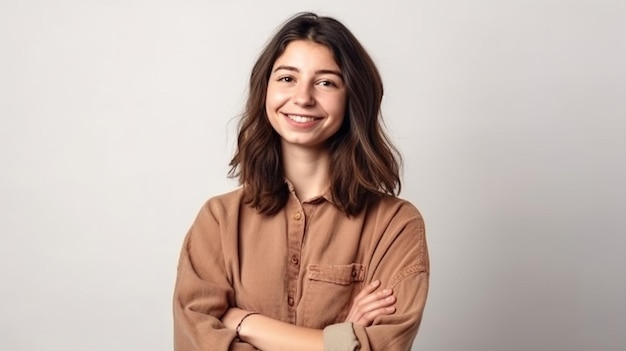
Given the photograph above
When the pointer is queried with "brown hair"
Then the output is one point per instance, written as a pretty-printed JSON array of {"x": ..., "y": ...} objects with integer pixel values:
[{"x": 365, "y": 165}]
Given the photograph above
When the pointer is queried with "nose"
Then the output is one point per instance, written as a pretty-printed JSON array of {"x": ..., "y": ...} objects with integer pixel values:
[{"x": 303, "y": 96}]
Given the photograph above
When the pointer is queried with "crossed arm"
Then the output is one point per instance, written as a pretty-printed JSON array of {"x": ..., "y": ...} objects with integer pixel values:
[
  {"x": 269, "y": 334},
  {"x": 203, "y": 298}
]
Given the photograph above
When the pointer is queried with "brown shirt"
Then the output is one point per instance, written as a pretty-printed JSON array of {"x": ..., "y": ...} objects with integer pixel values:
[{"x": 303, "y": 266}]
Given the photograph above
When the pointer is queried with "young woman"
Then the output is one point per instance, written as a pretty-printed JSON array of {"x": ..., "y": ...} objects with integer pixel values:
[{"x": 314, "y": 251}]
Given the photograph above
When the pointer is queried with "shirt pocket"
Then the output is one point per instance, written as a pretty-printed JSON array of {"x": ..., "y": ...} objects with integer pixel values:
[{"x": 328, "y": 293}]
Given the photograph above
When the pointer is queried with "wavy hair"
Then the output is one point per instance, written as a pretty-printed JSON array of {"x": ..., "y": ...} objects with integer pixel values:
[{"x": 365, "y": 164}]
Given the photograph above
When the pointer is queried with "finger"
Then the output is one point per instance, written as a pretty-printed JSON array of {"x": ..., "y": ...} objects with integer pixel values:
[
  {"x": 369, "y": 317},
  {"x": 376, "y": 302},
  {"x": 366, "y": 319},
  {"x": 369, "y": 305},
  {"x": 374, "y": 309},
  {"x": 368, "y": 300},
  {"x": 368, "y": 289},
  {"x": 372, "y": 297}
]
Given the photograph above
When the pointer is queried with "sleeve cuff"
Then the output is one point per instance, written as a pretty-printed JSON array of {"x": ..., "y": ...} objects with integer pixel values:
[{"x": 340, "y": 337}]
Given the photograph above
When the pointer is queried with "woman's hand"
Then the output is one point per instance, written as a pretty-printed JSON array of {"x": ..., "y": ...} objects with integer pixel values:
[{"x": 369, "y": 304}]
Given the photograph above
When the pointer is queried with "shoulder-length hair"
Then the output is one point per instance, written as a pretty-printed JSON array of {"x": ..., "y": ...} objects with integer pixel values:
[{"x": 365, "y": 165}]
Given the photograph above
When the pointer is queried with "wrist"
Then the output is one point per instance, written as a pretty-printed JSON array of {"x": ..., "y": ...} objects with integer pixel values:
[
  {"x": 232, "y": 317},
  {"x": 239, "y": 326}
]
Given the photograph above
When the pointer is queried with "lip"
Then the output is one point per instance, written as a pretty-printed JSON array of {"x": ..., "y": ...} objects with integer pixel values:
[{"x": 295, "y": 119}]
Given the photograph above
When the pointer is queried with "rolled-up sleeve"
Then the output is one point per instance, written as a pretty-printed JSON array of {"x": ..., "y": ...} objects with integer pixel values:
[
  {"x": 203, "y": 293},
  {"x": 340, "y": 337}
]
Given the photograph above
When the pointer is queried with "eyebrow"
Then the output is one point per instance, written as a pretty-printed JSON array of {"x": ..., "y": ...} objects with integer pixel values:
[{"x": 319, "y": 71}]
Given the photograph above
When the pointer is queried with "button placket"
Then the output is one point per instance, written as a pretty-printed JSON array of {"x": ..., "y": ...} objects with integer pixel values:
[{"x": 296, "y": 228}]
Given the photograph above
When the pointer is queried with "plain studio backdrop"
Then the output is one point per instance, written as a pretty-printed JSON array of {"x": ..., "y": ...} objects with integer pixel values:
[{"x": 117, "y": 121}]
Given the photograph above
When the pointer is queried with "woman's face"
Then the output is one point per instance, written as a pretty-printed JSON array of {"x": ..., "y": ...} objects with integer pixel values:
[{"x": 306, "y": 95}]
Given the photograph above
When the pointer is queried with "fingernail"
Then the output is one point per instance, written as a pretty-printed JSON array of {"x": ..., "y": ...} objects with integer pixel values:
[
  {"x": 390, "y": 298},
  {"x": 391, "y": 309},
  {"x": 386, "y": 291},
  {"x": 375, "y": 282}
]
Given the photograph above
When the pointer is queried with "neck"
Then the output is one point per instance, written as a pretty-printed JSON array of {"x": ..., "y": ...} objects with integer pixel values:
[{"x": 307, "y": 169}]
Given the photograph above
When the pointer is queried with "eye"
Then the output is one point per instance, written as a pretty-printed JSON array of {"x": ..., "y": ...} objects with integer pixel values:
[
  {"x": 286, "y": 79},
  {"x": 327, "y": 83}
]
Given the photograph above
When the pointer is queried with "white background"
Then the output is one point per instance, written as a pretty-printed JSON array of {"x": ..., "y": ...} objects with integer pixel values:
[{"x": 117, "y": 122}]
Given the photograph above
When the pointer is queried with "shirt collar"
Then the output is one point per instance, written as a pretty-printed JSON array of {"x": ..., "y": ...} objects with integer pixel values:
[{"x": 326, "y": 195}]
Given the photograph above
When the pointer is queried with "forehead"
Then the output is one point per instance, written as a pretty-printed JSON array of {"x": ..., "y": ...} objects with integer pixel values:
[{"x": 306, "y": 53}]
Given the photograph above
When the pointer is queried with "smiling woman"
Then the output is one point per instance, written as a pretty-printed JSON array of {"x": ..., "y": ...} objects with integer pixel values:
[
  {"x": 306, "y": 96},
  {"x": 315, "y": 251}
]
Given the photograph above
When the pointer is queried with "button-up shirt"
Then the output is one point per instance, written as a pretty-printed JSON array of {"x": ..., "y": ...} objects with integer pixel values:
[{"x": 303, "y": 265}]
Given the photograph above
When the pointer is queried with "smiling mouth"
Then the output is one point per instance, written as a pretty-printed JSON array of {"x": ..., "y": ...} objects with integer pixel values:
[{"x": 302, "y": 119}]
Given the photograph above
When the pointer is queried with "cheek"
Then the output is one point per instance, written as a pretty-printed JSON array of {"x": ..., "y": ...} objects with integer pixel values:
[
  {"x": 339, "y": 107},
  {"x": 274, "y": 98},
  {"x": 271, "y": 106}
]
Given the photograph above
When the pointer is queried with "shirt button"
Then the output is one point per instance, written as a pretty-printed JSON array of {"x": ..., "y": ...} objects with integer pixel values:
[
  {"x": 294, "y": 259},
  {"x": 297, "y": 216},
  {"x": 290, "y": 301}
]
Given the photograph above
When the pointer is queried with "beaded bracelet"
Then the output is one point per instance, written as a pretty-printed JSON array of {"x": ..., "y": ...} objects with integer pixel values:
[{"x": 238, "y": 329}]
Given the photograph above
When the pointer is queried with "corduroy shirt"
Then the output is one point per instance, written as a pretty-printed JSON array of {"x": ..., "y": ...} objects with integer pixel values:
[{"x": 303, "y": 265}]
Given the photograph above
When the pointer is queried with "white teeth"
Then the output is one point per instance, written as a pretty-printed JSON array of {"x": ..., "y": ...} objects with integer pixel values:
[{"x": 300, "y": 119}]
